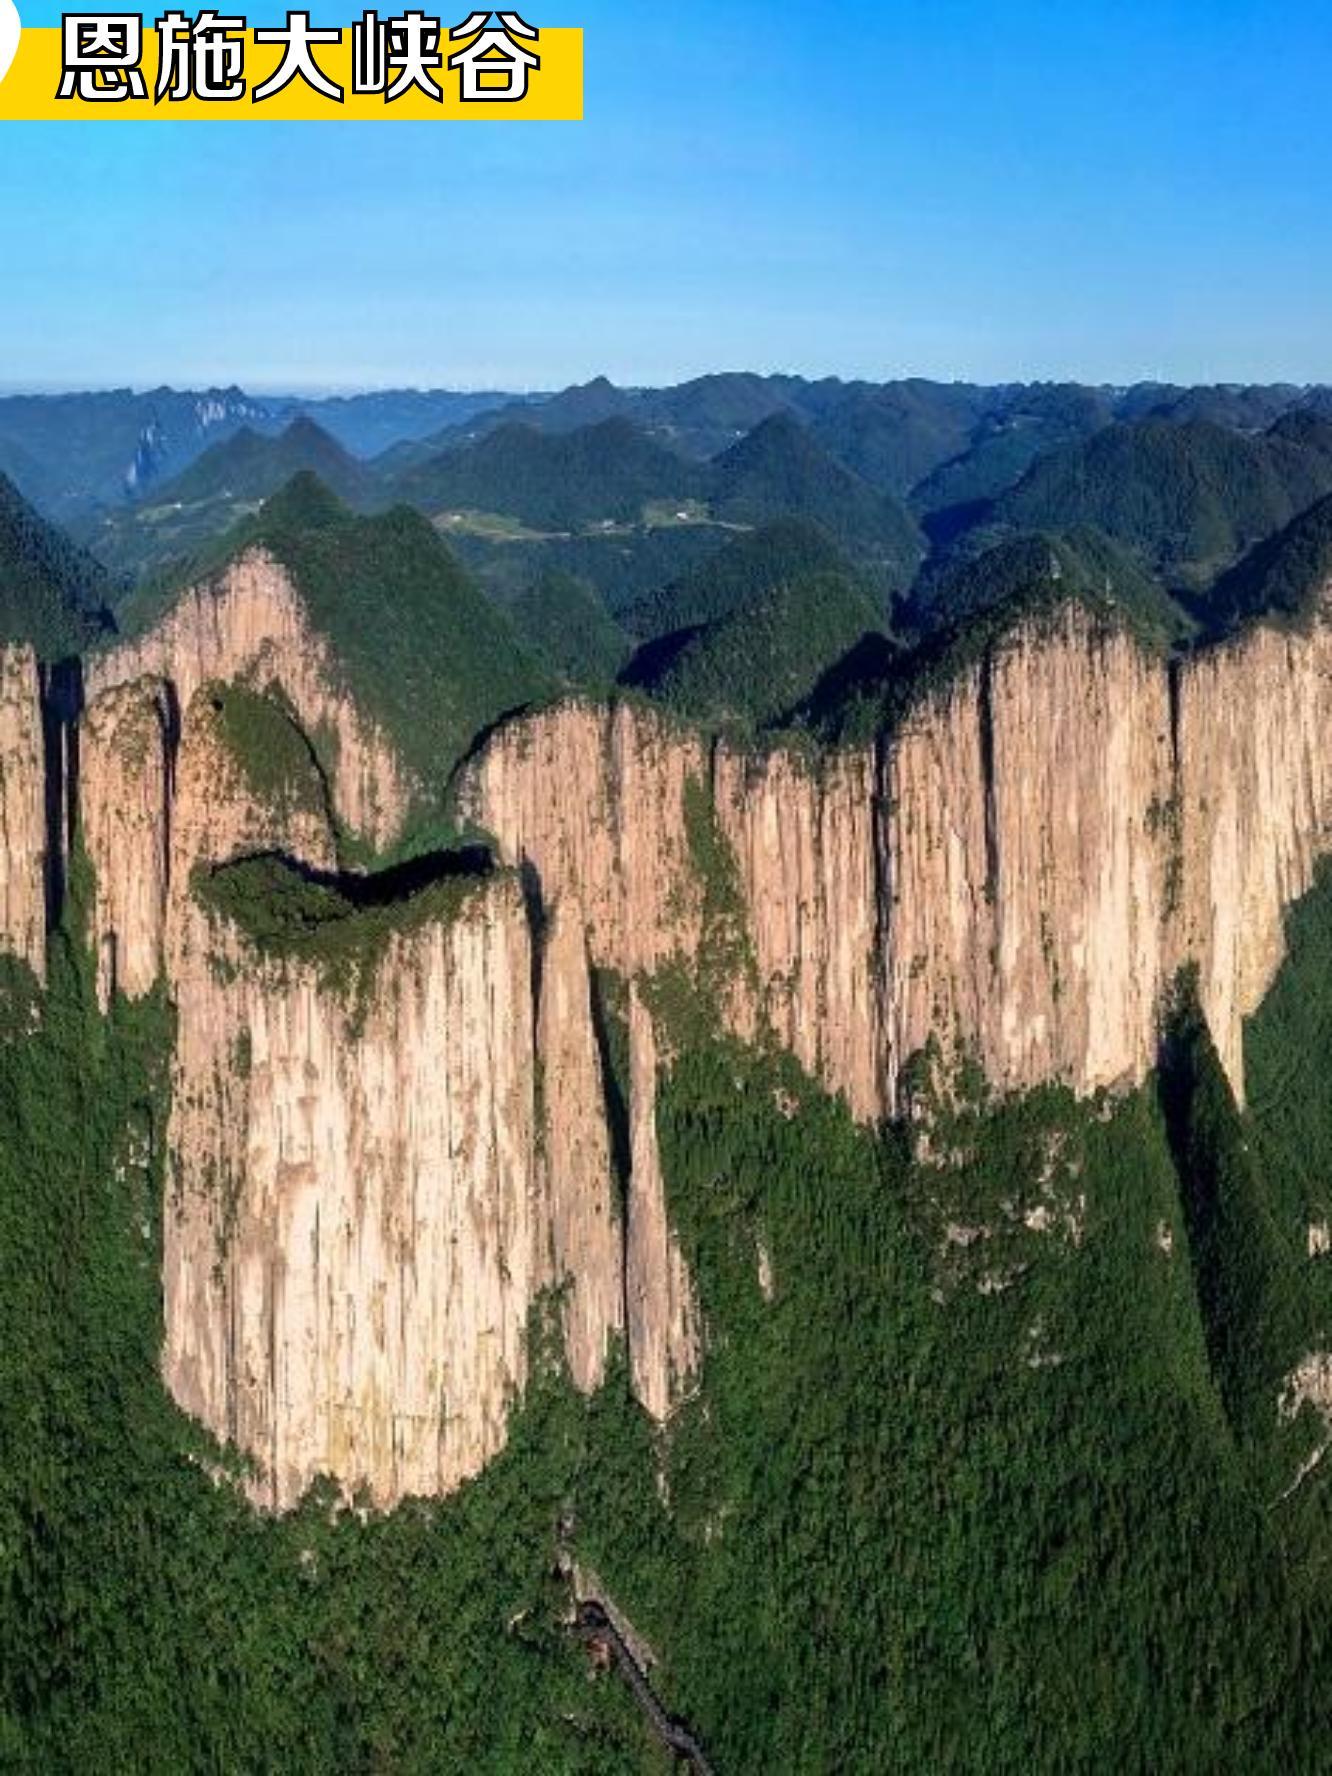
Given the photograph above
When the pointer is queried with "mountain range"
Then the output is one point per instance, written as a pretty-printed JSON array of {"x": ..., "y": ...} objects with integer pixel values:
[{"x": 683, "y": 1030}]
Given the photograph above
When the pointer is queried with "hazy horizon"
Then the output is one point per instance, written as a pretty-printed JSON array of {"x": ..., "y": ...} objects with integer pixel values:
[{"x": 294, "y": 390}]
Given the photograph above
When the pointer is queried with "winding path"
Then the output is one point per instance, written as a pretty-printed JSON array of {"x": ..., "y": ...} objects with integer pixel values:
[{"x": 593, "y": 1624}]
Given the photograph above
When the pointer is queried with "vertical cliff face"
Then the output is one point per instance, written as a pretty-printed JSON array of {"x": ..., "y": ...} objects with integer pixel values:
[
  {"x": 370, "y": 1188},
  {"x": 592, "y": 799},
  {"x": 587, "y": 1234},
  {"x": 366, "y": 1198},
  {"x": 1014, "y": 875},
  {"x": 249, "y": 624},
  {"x": 23, "y": 822},
  {"x": 1026, "y": 830},
  {"x": 357, "y": 1228},
  {"x": 663, "y": 1315},
  {"x": 803, "y": 839},
  {"x": 1255, "y": 812},
  {"x": 124, "y": 793}
]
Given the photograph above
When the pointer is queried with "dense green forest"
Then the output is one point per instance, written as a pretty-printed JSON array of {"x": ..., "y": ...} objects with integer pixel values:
[
  {"x": 993, "y": 1463},
  {"x": 632, "y": 491},
  {"x": 977, "y": 1488},
  {"x": 52, "y": 594},
  {"x": 1189, "y": 497},
  {"x": 761, "y": 661}
]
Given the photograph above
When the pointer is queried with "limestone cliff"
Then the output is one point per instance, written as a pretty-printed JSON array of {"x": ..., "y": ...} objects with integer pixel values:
[
  {"x": 23, "y": 824},
  {"x": 1254, "y": 811},
  {"x": 249, "y": 623},
  {"x": 125, "y": 767},
  {"x": 356, "y": 1229},
  {"x": 663, "y": 1316},
  {"x": 586, "y": 1234},
  {"x": 370, "y": 1190},
  {"x": 1014, "y": 873}
]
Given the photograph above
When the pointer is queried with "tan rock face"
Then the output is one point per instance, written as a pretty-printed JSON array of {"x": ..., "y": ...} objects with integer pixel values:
[
  {"x": 593, "y": 800},
  {"x": 124, "y": 794},
  {"x": 586, "y": 1232},
  {"x": 1025, "y": 831},
  {"x": 367, "y": 1201},
  {"x": 356, "y": 1228},
  {"x": 1255, "y": 790},
  {"x": 22, "y": 810},
  {"x": 805, "y": 848},
  {"x": 250, "y": 625},
  {"x": 1016, "y": 874},
  {"x": 663, "y": 1315}
]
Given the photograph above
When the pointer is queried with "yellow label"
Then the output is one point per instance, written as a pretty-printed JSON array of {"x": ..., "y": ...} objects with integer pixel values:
[{"x": 553, "y": 91}]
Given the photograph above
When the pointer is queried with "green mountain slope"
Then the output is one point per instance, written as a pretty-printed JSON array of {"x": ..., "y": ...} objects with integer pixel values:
[
  {"x": 779, "y": 471},
  {"x": 954, "y": 1493},
  {"x": 424, "y": 652},
  {"x": 1188, "y": 498},
  {"x": 1282, "y": 577},
  {"x": 762, "y": 658},
  {"x": 1009, "y": 440},
  {"x": 747, "y": 565},
  {"x": 893, "y": 436},
  {"x": 1080, "y": 563},
  {"x": 564, "y": 481},
  {"x": 52, "y": 594},
  {"x": 229, "y": 481},
  {"x": 251, "y": 466},
  {"x": 564, "y": 623}
]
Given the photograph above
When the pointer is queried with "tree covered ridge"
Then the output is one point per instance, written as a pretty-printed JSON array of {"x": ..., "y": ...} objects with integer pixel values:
[{"x": 52, "y": 593}]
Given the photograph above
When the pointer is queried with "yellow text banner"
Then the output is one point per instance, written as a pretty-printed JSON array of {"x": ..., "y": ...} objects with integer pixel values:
[{"x": 554, "y": 91}]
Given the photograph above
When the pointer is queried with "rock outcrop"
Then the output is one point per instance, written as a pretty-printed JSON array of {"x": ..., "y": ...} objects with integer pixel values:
[
  {"x": 587, "y": 1234},
  {"x": 356, "y": 1229},
  {"x": 1013, "y": 875},
  {"x": 249, "y": 624},
  {"x": 370, "y": 1191},
  {"x": 663, "y": 1315},
  {"x": 23, "y": 819},
  {"x": 125, "y": 770},
  {"x": 1254, "y": 812}
]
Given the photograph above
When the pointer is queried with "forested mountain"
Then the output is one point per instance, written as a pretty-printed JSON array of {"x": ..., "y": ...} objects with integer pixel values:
[
  {"x": 699, "y": 418},
  {"x": 1284, "y": 575},
  {"x": 813, "y": 1140},
  {"x": 426, "y": 655},
  {"x": 1082, "y": 561},
  {"x": 758, "y": 661},
  {"x": 51, "y": 593},
  {"x": 564, "y": 622},
  {"x": 779, "y": 471},
  {"x": 893, "y": 436},
  {"x": 750, "y": 563},
  {"x": 250, "y": 466},
  {"x": 1187, "y": 497},
  {"x": 75, "y": 455},
  {"x": 564, "y": 481},
  {"x": 228, "y": 481},
  {"x": 1006, "y": 442}
]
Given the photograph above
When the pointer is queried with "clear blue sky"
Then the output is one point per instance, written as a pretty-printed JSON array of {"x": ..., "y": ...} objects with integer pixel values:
[{"x": 988, "y": 189}]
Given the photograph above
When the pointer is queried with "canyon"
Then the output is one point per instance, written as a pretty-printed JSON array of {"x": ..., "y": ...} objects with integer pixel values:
[{"x": 376, "y": 1179}]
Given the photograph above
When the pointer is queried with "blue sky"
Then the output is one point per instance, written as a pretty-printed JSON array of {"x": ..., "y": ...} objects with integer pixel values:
[{"x": 987, "y": 189}]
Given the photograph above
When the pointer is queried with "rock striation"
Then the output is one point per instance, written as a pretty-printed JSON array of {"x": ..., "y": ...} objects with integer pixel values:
[
  {"x": 372, "y": 1190},
  {"x": 1014, "y": 874},
  {"x": 357, "y": 1231},
  {"x": 23, "y": 810}
]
